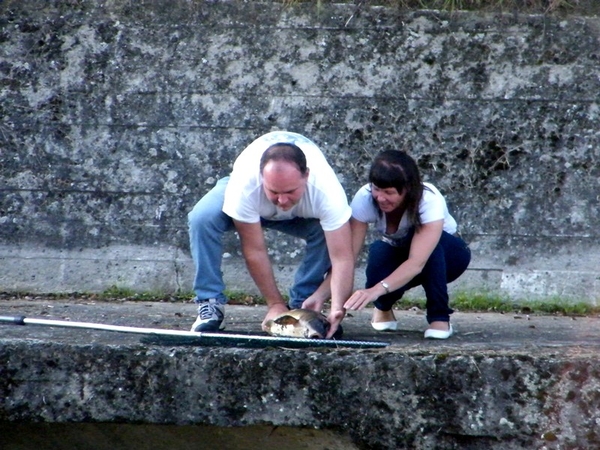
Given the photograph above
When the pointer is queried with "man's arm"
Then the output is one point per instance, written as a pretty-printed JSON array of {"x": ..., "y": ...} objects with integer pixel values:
[
  {"x": 339, "y": 245},
  {"x": 259, "y": 265},
  {"x": 359, "y": 232},
  {"x": 323, "y": 293}
]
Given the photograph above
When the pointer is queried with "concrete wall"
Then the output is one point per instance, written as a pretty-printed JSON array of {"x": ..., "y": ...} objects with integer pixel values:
[
  {"x": 117, "y": 116},
  {"x": 407, "y": 399}
]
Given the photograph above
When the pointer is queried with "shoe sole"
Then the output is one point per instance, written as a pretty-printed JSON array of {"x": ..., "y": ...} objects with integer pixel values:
[{"x": 208, "y": 327}]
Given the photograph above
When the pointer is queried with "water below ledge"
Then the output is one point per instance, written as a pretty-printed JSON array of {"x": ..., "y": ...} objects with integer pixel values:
[{"x": 110, "y": 436}]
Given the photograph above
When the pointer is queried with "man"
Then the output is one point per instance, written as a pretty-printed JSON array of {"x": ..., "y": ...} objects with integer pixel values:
[{"x": 281, "y": 181}]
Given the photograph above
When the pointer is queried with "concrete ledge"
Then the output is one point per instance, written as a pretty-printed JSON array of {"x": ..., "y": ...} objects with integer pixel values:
[{"x": 503, "y": 381}]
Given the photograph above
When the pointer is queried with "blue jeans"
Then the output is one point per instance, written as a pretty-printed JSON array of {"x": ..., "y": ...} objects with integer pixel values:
[
  {"x": 447, "y": 262},
  {"x": 207, "y": 224}
]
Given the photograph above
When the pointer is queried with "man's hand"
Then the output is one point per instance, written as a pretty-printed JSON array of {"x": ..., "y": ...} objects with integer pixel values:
[
  {"x": 335, "y": 319},
  {"x": 274, "y": 311},
  {"x": 313, "y": 303}
]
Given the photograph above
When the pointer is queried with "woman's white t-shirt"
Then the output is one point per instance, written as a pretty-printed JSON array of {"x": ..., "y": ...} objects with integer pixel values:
[
  {"x": 323, "y": 199},
  {"x": 432, "y": 207}
]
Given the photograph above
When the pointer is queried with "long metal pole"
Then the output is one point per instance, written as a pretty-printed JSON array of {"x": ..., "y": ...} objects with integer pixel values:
[{"x": 192, "y": 337}]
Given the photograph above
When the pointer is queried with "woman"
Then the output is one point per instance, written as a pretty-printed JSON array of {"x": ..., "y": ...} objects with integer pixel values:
[{"x": 418, "y": 244}]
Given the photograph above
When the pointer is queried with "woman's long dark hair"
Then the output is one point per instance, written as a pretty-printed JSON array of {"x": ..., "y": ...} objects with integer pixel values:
[{"x": 395, "y": 169}]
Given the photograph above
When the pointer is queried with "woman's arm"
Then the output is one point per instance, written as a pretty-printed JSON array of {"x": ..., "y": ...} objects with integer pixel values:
[{"x": 422, "y": 245}]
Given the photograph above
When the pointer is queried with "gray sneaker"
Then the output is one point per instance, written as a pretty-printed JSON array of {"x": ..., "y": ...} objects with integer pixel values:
[{"x": 210, "y": 316}]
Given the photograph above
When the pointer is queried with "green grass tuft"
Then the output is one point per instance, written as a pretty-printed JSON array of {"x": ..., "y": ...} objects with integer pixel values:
[
  {"x": 489, "y": 302},
  {"x": 459, "y": 301},
  {"x": 120, "y": 293}
]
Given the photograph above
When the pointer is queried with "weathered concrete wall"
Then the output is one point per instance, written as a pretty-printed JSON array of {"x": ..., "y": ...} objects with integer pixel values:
[
  {"x": 381, "y": 399},
  {"x": 118, "y": 116}
]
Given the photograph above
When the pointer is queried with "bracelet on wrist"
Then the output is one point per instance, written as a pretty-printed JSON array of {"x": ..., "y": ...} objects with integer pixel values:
[{"x": 385, "y": 286}]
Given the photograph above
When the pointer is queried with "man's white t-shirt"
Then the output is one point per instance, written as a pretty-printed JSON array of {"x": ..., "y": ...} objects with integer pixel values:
[
  {"x": 323, "y": 199},
  {"x": 432, "y": 207}
]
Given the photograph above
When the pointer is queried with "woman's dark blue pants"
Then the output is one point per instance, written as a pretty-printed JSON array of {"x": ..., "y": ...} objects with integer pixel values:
[{"x": 447, "y": 262}]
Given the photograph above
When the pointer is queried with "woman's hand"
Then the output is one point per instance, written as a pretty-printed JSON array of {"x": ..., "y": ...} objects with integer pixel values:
[{"x": 362, "y": 298}]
